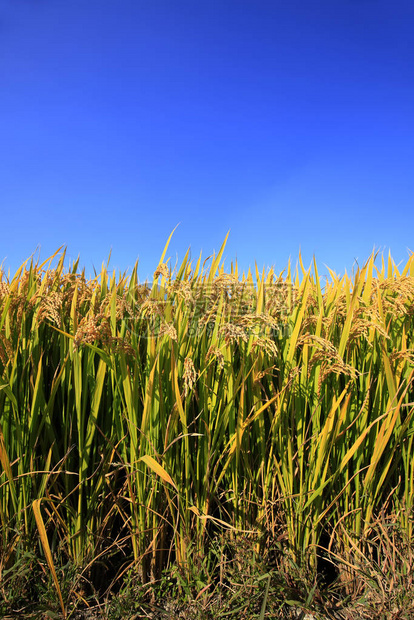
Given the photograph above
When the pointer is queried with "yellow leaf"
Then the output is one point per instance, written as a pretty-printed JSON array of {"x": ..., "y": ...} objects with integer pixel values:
[
  {"x": 45, "y": 544},
  {"x": 157, "y": 468}
]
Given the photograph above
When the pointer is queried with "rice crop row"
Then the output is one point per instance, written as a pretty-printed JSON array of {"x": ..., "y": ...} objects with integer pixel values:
[{"x": 138, "y": 421}]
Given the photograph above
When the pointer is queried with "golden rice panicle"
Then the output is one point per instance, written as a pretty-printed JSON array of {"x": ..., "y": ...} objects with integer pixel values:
[
  {"x": 91, "y": 329},
  {"x": 153, "y": 308},
  {"x": 233, "y": 333},
  {"x": 50, "y": 307},
  {"x": 266, "y": 344},
  {"x": 216, "y": 353},
  {"x": 123, "y": 307},
  {"x": 407, "y": 355},
  {"x": 398, "y": 295},
  {"x": 183, "y": 290},
  {"x": 6, "y": 350},
  {"x": 189, "y": 376},
  {"x": 167, "y": 329},
  {"x": 4, "y": 289},
  {"x": 162, "y": 270},
  {"x": 326, "y": 355}
]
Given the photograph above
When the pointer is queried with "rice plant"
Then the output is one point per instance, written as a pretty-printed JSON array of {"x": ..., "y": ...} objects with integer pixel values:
[{"x": 138, "y": 421}]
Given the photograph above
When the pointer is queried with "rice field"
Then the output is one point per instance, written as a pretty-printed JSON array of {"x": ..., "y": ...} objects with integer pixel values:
[{"x": 149, "y": 428}]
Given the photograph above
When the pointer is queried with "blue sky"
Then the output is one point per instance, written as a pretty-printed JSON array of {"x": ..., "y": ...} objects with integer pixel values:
[{"x": 291, "y": 124}]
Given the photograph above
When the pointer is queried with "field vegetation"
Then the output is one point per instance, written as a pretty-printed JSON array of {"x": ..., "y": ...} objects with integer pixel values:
[{"x": 211, "y": 444}]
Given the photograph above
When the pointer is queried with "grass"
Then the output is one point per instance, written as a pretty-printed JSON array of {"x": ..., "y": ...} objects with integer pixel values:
[{"x": 234, "y": 445}]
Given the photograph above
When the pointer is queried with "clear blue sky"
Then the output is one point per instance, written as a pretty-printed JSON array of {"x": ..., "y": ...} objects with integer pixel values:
[{"x": 291, "y": 123}]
